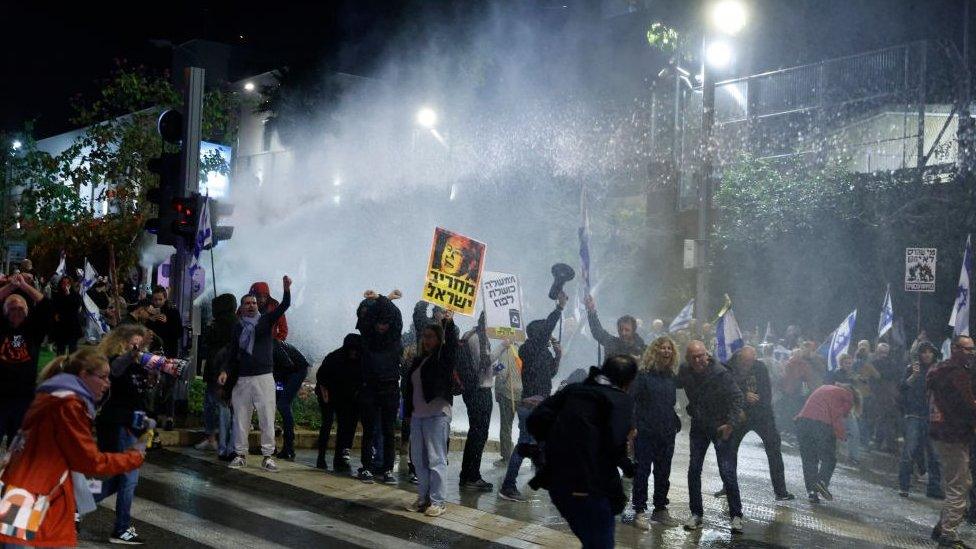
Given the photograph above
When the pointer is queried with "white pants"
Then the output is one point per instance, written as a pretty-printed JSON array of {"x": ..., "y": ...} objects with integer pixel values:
[{"x": 254, "y": 393}]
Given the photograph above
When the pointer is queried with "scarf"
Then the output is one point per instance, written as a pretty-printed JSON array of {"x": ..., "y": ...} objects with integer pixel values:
[{"x": 246, "y": 341}]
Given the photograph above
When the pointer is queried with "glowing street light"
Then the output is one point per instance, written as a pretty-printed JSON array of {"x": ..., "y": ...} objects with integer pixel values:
[
  {"x": 728, "y": 17},
  {"x": 427, "y": 118},
  {"x": 16, "y": 145},
  {"x": 718, "y": 54},
  {"x": 249, "y": 86}
]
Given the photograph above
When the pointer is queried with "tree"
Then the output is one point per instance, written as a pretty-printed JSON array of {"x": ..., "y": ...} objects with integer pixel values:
[{"x": 108, "y": 161}]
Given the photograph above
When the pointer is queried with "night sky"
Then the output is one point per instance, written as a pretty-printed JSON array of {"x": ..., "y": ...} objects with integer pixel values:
[{"x": 53, "y": 52}]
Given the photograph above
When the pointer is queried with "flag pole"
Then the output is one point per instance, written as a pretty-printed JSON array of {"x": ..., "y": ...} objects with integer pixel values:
[{"x": 213, "y": 271}]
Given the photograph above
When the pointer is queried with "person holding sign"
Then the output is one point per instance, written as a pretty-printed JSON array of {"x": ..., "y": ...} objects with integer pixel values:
[{"x": 454, "y": 271}]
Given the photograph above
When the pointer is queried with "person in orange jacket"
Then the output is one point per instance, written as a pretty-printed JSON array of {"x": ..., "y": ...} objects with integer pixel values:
[
  {"x": 56, "y": 439},
  {"x": 266, "y": 304}
]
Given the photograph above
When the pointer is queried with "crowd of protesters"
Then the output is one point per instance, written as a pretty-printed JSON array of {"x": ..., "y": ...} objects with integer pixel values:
[{"x": 623, "y": 415}]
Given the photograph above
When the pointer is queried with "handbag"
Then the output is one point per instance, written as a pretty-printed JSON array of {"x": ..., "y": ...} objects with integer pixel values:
[{"x": 22, "y": 512}]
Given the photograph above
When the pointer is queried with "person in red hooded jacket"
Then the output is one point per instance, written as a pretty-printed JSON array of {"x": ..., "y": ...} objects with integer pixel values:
[
  {"x": 56, "y": 438},
  {"x": 266, "y": 304}
]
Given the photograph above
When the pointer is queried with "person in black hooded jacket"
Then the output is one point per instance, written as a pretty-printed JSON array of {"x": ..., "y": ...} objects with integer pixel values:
[
  {"x": 290, "y": 370},
  {"x": 216, "y": 336},
  {"x": 381, "y": 325},
  {"x": 338, "y": 381},
  {"x": 585, "y": 428},
  {"x": 539, "y": 367}
]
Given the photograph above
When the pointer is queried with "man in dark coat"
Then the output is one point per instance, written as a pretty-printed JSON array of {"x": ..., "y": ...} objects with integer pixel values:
[
  {"x": 752, "y": 377},
  {"x": 338, "y": 382},
  {"x": 715, "y": 408},
  {"x": 584, "y": 429},
  {"x": 627, "y": 342}
]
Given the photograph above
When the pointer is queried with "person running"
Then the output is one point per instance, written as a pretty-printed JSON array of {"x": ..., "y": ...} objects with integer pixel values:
[
  {"x": 819, "y": 425},
  {"x": 584, "y": 430},
  {"x": 56, "y": 438},
  {"x": 655, "y": 394},
  {"x": 427, "y": 406}
]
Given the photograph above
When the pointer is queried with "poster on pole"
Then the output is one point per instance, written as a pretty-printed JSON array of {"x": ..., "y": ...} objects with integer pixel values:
[
  {"x": 503, "y": 306},
  {"x": 454, "y": 271},
  {"x": 920, "y": 269}
]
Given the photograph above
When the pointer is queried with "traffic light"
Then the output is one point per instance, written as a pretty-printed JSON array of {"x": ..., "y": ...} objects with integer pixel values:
[
  {"x": 168, "y": 168},
  {"x": 220, "y": 210},
  {"x": 185, "y": 217}
]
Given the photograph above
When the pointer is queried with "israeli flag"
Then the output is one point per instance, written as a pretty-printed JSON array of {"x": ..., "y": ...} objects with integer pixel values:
[
  {"x": 89, "y": 277},
  {"x": 204, "y": 238},
  {"x": 959, "y": 320},
  {"x": 683, "y": 320},
  {"x": 584, "y": 243},
  {"x": 887, "y": 315},
  {"x": 96, "y": 325},
  {"x": 840, "y": 341},
  {"x": 728, "y": 337},
  {"x": 62, "y": 267}
]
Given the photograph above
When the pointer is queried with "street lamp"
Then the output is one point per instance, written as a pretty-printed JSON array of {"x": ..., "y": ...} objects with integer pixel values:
[
  {"x": 724, "y": 18},
  {"x": 249, "y": 86},
  {"x": 427, "y": 118},
  {"x": 16, "y": 145}
]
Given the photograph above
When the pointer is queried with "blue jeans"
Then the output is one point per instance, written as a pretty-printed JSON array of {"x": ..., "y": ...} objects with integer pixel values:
[
  {"x": 123, "y": 486},
  {"x": 292, "y": 383},
  {"x": 725, "y": 455},
  {"x": 589, "y": 517},
  {"x": 515, "y": 463},
  {"x": 225, "y": 431},
  {"x": 211, "y": 409},
  {"x": 428, "y": 450},
  {"x": 853, "y": 442},
  {"x": 917, "y": 439}
]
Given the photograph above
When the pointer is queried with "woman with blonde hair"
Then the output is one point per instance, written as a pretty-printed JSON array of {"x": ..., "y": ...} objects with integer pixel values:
[
  {"x": 56, "y": 438},
  {"x": 655, "y": 394}
]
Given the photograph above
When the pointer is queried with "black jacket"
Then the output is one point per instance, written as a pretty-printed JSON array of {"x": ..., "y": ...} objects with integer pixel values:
[
  {"x": 341, "y": 371},
  {"x": 261, "y": 360},
  {"x": 66, "y": 325},
  {"x": 584, "y": 430},
  {"x": 539, "y": 366},
  {"x": 654, "y": 396},
  {"x": 714, "y": 398},
  {"x": 756, "y": 380},
  {"x": 219, "y": 333},
  {"x": 287, "y": 360},
  {"x": 169, "y": 331},
  {"x": 914, "y": 392},
  {"x": 381, "y": 352},
  {"x": 613, "y": 344},
  {"x": 436, "y": 372}
]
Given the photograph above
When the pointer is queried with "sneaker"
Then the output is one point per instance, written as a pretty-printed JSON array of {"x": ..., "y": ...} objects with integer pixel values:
[
  {"x": 785, "y": 497},
  {"x": 286, "y": 454},
  {"x": 365, "y": 476},
  {"x": 720, "y": 493},
  {"x": 320, "y": 464},
  {"x": 418, "y": 506},
  {"x": 388, "y": 478},
  {"x": 414, "y": 479},
  {"x": 239, "y": 462},
  {"x": 823, "y": 491},
  {"x": 694, "y": 523},
  {"x": 129, "y": 537},
  {"x": 341, "y": 467},
  {"x": 206, "y": 445},
  {"x": 903, "y": 493},
  {"x": 663, "y": 517},
  {"x": 435, "y": 510},
  {"x": 641, "y": 522},
  {"x": 480, "y": 485},
  {"x": 269, "y": 465},
  {"x": 512, "y": 494},
  {"x": 813, "y": 497},
  {"x": 736, "y": 525}
]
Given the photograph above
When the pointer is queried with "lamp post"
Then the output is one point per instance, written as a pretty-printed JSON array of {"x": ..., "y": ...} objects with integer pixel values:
[{"x": 725, "y": 18}]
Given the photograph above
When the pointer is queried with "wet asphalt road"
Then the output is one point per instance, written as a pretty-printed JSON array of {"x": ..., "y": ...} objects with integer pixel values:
[{"x": 188, "y": 499}]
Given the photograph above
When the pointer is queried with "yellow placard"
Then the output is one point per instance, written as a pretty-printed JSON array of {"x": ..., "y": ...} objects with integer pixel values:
[{"x": 454, "y": 271}]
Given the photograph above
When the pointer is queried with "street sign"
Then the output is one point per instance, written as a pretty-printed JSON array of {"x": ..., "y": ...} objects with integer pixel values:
[
  {"x": 690, "y": 255},
  {"x": 16, "y": 251},
  {"x": 920, "y": 269}
]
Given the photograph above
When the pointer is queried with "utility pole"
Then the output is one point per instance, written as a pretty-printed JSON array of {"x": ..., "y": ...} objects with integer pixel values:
[
  {"x": 965, "y": 132},
  {"x": 704, "y": 192}
]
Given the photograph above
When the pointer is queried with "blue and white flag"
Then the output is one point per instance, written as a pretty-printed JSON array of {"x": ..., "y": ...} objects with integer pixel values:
[
  {"x": 887, "y": 315},
  {"x": 840, "y": 341},
  {"x": 62, "y": 267},
  {"x": 683, "y": 320},
  {"x": 203, "y": 239},
  {"x": 959, "y": 320},
  {"x": 769, "y": 337},
  {"x": 584, "y": 244},
  {"x": 728, "y": 337},
  {"x": 89, "y": 277},
  {"x": 96, "y": 326}
]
